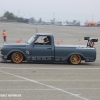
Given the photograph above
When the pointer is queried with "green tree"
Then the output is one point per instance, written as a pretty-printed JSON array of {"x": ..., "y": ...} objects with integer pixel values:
[{"x": 9, "y": 15}]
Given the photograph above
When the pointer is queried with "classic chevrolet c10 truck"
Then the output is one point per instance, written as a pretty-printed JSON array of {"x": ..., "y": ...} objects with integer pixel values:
[{"x": 41, "y": 48}]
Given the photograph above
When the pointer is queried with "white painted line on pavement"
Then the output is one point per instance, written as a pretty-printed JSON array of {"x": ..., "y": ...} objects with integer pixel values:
[
  {"x": 52, "y": 89},
  {"x": 53, "y": 80},
  {"x": 45, "y": 85},
  {"x": 56, "y": 80}
]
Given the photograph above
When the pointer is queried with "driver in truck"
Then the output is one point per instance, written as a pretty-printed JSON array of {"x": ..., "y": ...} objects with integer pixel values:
[{"x": 47, "y": 40}]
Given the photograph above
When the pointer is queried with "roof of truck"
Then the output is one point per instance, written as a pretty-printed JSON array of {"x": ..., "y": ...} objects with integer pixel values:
[{"x": 43, "y": 34}]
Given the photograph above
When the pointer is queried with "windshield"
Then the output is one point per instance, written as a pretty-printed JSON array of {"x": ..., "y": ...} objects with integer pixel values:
[{"x": 31, "y": 39}]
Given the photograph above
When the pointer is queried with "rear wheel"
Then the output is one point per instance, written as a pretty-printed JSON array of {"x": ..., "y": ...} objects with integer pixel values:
[
  {"x": 75, "y": 59},
  {"x": 17, "y": 57}
]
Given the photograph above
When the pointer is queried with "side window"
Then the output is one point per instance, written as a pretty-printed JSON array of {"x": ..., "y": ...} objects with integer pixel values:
[
  {"x": 40, "y": 40},
  {"x": 43, "y": 40}
]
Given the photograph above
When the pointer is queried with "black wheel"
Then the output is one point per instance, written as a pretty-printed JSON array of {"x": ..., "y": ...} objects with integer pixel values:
[
  {"x": 75, "y": 59},
  {"x": 17, "y": 57}
]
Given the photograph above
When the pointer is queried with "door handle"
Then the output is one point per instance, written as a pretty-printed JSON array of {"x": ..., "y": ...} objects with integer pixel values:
[{"x": 49, "y": 48}]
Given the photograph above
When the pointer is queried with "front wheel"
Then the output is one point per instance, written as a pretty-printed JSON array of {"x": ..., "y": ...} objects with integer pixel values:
[
  {"x": 17, "y": 57},
  {"x": 75, "y": 59}
]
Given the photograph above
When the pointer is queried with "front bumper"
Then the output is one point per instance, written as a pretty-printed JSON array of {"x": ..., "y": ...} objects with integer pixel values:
[{"x": 2, "y": 58}]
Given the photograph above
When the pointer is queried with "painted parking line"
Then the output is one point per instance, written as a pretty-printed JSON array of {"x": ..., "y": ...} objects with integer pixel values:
[
  {"x": 50, "y": 89},
  {"x": 52, "y": 80},
  {"x": 34, "y": 81}
]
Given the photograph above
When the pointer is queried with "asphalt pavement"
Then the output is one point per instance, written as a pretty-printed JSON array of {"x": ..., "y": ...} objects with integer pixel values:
[{"x": 31, "y": 81}]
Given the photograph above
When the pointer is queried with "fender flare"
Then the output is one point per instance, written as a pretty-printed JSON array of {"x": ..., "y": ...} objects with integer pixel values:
[
  {"x": 16, "y": 51},
  {"x": 76, "y": 53}
]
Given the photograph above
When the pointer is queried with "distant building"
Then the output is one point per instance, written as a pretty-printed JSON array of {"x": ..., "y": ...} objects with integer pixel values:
[
  {"x": 59, "y": 23},
  {"x": 3, "y": 19},
  {"x": 64, "y": 23},
  {"x": 73, "y": 23},
  {"x": 98, "y": 24},
  {"x": 31, "y": 20}
]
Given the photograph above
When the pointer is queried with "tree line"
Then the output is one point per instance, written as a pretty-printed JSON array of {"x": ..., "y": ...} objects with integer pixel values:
[{"x": 11, "y": 17}]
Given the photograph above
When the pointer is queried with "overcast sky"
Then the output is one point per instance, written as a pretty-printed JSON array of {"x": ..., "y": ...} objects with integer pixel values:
[{"x": 62, "y": 10}]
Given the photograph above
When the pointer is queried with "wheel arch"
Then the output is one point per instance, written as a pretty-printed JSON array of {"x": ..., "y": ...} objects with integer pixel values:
[
  {"x": 10, "y": 53},
  {"x": 82, "y": 57}
]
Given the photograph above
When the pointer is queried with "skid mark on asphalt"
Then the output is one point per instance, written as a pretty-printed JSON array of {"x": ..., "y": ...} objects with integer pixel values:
[{"x": 75, "y": 95}]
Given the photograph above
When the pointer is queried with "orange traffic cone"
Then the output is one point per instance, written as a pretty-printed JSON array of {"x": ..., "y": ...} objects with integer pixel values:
[{"x": 16, "y": 41}]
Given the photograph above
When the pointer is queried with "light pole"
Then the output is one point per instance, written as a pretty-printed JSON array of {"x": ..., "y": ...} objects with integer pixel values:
[{"x": 18, "y": 13}]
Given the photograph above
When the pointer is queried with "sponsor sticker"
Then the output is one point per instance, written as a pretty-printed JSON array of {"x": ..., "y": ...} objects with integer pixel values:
[
  {"x": 27, "y": 52},
  {"x": 84, "y": 48}
]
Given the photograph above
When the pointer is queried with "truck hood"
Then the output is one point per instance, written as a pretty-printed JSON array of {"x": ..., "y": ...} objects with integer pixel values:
[
  {"x": 70, "y": 45},
  {"x": 15, "y": 44}
]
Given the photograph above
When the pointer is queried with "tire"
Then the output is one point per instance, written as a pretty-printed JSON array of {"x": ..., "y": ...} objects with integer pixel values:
[
  {"x": 75, "y": 59},
  {"x": 17, "y": 57}
]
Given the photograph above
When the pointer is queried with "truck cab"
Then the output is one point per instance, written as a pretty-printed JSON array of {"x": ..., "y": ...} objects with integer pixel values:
[{"x": 43, "y": 47}]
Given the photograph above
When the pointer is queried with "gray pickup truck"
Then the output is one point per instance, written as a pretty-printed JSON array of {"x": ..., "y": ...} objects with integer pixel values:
[{"x": 41, "y": 48}]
